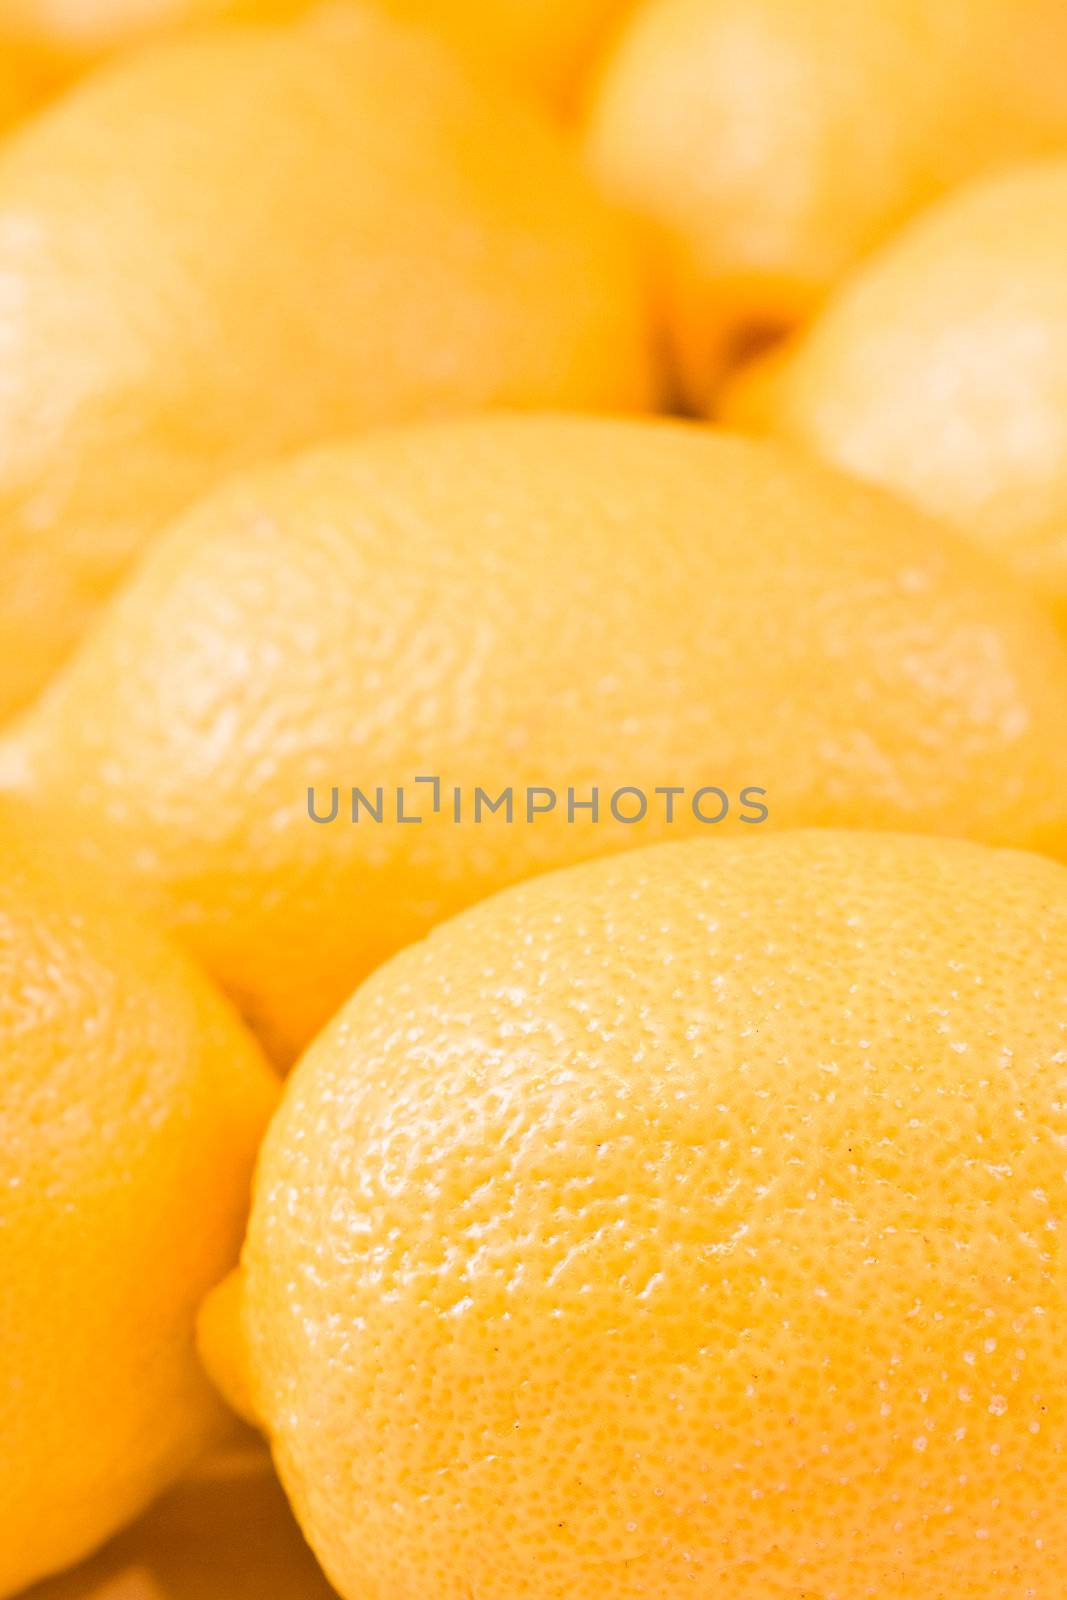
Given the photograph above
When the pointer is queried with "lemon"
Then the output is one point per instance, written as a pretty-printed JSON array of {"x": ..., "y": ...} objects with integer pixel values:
[
  {"x": 770, "y": 144},
  {"x": 67, "y": 36},
  {"x": 20, "y": 87},
  {"x": 224, "y": 1533},
  {"x": 46, "y": 45},
  {"x": 547, "y": 45},
  {"x": 543, "y": 45},
  {"x": 225, "y": 247},
  {"x": 520, "y": 604},
  {"x": 131, "y": 1105},
  {"x": 940, "y": 370},
  {"x": 684, "y": 1223}
]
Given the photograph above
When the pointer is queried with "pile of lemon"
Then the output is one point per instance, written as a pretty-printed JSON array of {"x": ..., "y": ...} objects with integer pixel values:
[{"x": 407, "y": 408}]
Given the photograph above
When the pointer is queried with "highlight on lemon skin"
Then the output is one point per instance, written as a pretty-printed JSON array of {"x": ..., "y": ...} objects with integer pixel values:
[
  {"x": 519, "y": 601},
  {"x": 229, "y": 246},
  {"x": 770, "y": 145},
  {"x": 685, "y": 1222},
  {"x": 940, "y": 371},
  {"x": 132, "y": 1103}
]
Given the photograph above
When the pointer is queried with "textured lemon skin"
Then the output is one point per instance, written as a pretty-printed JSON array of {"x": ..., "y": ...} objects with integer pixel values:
[
  {"x": 226, "y": 247},
  {"x": 940, "y": 371},
  {"x": 772, "y": 144},
  {"x": 131, "y": 1105},
  {"x": 525, "y": 601},
  {"x": 685, "y": 1222}
]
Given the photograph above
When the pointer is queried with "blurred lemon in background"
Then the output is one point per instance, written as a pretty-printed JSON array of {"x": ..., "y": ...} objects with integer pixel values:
[
  {"x": 20, "y": 86},
  {"x": 545, "y": 44},
  {"x": 771, "y": 144},
  {"x": 226, "y": 247},
  {"x": 131, "y": 1105},
  {"x": 541, "y": 45},
  {"x": 520, "y": 602},
  {"x": 64, "y": 37},
  {"x": 940, "y": 370},
  {"x": 225, "y": 1533},
  {"x": 684, "y": 1223}
]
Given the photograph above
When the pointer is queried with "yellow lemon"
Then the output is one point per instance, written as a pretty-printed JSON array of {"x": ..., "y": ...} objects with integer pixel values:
[
  {"x": 20, "y": 87},
  {"x": 525, "y": 610},
  {"x": 685, "y": 1223},
  {"x": 770, "y": 143},
  {"x": 545, "y": 44},
  {"x": 131, "y": 1105},
  {"x": 66, "y": 36},
  {"x": 234, "y": 245},
  {"x": 45, "y": 45},
  {"x": 541, "y": 44},
  {"x": 225, "y": 1533},
  {"x": 940, "y": 370}
]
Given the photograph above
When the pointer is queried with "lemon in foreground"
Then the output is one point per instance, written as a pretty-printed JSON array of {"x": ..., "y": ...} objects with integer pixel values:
[
  {"x": 940, "y": 370},
  {"x": 526, "y": 605},
  {"x": 131, "y": 1105},
  {"x": 223, "y": 248},
  {"x": 684, "y": 1223},
  {"x": 771, "y": 144}
]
